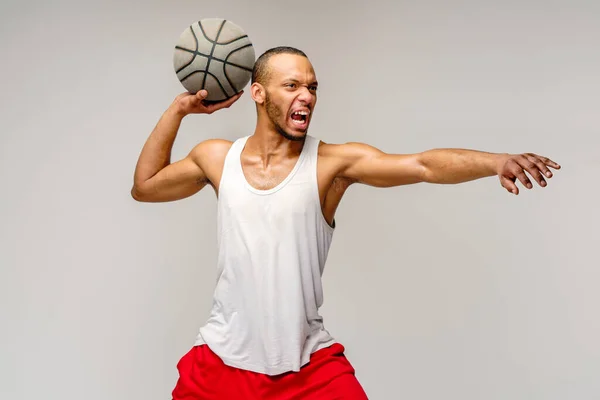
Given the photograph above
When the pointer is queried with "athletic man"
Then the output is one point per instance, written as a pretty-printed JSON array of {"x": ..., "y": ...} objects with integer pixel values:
[{"x": 278, "y": 191}]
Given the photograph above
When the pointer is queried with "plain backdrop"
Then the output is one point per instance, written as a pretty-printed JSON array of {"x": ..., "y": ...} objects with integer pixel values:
[{"x": 437, "y": 291}]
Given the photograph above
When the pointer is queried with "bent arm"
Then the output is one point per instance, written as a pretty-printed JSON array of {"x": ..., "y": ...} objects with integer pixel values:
[
  {"x": 156, "y": 153},
  {"x": 176, "y": 181},
  {"x": 368, "y": 165},
  {"x": 156, "y": 179}
]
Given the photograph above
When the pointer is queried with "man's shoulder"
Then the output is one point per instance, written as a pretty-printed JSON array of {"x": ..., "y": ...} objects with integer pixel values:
[
  {"x": 211, "y": 149},
  {"x": 340, "y": 150},
  {"x": 211, "y": 145}
]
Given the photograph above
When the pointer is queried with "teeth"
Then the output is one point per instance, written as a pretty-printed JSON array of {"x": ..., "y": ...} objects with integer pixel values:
[{"x": 301, "y": 112}]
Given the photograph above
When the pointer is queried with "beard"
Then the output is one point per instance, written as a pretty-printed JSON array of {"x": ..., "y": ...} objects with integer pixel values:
[{"x": 275, "y": 114}]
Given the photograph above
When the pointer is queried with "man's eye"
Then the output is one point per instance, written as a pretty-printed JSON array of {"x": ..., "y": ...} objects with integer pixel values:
[
  {"x": 292, "y": 85},
  {"x": 312, "y": 88}
]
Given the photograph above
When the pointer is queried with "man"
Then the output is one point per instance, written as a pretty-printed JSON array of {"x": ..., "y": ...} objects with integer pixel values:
[{"x": 278, "y": 191}]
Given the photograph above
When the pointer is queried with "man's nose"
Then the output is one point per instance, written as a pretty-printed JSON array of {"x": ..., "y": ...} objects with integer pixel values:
[{"x": 305, "y": 95}]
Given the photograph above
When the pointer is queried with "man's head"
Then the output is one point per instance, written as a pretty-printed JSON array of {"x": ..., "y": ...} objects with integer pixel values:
[{"x": 284, "y": 87}]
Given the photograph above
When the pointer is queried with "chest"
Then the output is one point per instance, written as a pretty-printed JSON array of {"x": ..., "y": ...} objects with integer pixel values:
[
  {"x": 267, "y": 176},
  {"x": 269, "y": 214}
]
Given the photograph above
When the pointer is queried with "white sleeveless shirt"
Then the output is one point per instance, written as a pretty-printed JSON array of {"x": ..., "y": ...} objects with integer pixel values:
[{"x": 272, "y": 247}]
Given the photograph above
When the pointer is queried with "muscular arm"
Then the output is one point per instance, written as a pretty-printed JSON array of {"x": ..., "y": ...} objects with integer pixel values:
[
  {"x": 368, "y": 165},
  {"x": 176, "y": 181},
  {"x": 156, "y": 179}
]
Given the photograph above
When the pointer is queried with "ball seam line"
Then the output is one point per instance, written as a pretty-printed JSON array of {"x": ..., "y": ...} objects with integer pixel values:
[{"x": 211, "y": 51}]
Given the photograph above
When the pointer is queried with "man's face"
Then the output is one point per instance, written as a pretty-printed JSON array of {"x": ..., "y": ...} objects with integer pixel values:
[{"x": 291, "y": 95}]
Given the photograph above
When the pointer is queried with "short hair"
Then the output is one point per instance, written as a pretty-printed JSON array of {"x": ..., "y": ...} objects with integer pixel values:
[{"x": 260, "y": 72}]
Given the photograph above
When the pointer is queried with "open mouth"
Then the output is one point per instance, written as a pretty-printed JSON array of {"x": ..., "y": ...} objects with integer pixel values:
[{"x": 300, "y": 118}]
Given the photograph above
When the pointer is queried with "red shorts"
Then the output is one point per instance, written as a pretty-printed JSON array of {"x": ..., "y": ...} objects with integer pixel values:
[{"x": 328, "y": 376}]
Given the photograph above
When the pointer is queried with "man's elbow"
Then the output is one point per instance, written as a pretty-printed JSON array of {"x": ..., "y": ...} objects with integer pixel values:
[
  {"x": 417, "y": 169},
  {"x": 426, "y": 175},
  {"x": 138, "y": 194},
  {"x": 135, "y": 194}
]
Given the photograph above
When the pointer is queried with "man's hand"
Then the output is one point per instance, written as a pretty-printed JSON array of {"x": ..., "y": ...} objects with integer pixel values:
[
  {"x": 513, "y": 167},
  {"x": 187, "y": 103}
]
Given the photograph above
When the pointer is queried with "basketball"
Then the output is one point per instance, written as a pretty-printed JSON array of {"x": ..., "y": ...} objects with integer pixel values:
[{"x": 216, "y": 55}]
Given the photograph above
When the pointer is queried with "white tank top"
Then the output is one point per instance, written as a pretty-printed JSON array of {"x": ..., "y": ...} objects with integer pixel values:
[{"x": 272, "y": 247}]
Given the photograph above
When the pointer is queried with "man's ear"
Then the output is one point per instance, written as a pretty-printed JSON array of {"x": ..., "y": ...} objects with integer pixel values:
[{"x": 258, "y": 92}]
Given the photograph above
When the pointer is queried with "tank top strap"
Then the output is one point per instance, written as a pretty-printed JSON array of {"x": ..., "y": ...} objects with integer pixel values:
[
  {"x": 235, "y": 151},
  {"x": 310, "y": 163},
  {"x": 313, "y": 148},
  {"x": 232, "y": 166}
]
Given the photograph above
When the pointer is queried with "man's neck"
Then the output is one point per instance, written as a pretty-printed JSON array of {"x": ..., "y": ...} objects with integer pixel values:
[{"x": 268, "y": 143}]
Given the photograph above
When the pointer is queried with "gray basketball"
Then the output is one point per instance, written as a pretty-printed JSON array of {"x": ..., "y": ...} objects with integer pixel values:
[{"x": 216, "y": 55}]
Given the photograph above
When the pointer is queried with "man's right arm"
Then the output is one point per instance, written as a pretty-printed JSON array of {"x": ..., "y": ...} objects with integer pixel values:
[{"x": 156, "y": 179}]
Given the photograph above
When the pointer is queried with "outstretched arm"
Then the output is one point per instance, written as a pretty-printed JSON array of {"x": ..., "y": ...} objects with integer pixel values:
[{"x": 366, "y": 164}]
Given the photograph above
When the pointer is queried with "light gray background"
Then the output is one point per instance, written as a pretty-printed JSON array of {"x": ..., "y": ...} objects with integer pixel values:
[{"x": 437, "y": 292}]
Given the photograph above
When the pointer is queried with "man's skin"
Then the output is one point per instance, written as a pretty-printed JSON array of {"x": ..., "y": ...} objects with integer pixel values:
[{"x": 272, "y": 151}]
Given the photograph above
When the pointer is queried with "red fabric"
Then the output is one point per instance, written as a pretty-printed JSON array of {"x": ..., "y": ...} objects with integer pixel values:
[{"x": 328, "y": 376}]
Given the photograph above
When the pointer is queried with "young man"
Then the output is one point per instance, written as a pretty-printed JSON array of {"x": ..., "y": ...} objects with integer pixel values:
[{"x": 278, "y": 191}]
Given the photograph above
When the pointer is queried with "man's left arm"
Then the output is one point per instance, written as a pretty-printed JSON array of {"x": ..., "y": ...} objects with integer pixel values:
[{"x": 366, "y": 164}]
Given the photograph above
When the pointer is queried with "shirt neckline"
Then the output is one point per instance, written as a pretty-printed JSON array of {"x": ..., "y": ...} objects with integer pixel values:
[{"x": 281, "y": 184}]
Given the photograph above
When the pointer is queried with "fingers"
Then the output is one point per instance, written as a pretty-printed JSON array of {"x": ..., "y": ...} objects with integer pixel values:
[
  {"x": 550, "y": 163},
  {"x": 223, "y": 104},
  {"x": 201, "y": 94},
  {"x": 522, "y": 177},
  {"x": 530, "y": 164},
  {"x": 522, "y": 167},
  {"x": 537, "y": 166},
  {"x": 199, "y": 97},
  {"x": 539, "y": 163},
  {"x": 546, "y": 162},
  {"x": 196, "y": 103},
  {"x": 509, "y": 185}
]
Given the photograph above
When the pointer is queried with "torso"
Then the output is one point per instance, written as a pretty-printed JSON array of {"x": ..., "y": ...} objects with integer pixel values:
[
  {"x": 273, "y": 245},
  {"x": 331, "y": 186}
]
